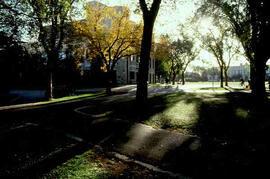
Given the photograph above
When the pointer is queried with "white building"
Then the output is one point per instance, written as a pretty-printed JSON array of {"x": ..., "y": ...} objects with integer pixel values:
[
  {"x": 213, "y": 77},
  {"x": 235, "y": 73},
  {"x": 242, "y": 71},
  {"x": 127, "y": 70}
]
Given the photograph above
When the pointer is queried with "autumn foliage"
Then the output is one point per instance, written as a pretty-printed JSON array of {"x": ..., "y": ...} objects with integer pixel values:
[{"x": 108, "y": 33}]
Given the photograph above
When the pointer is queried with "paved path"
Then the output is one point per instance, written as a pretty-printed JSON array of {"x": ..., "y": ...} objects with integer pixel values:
[
  {"x": 159, "y": 147},
  {"x": 156, "y": 146},
  {"x": 131, "y": 91}
]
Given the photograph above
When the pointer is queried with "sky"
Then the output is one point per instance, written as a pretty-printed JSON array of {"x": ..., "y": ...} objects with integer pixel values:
[
  {"x": 168, "y": 18},
  {"x": 167, "y": 21}
]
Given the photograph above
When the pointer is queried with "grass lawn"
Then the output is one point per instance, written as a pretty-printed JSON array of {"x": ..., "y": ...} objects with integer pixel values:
[
  {"x": 85, "y": 165},
  {"x": 73, "y": 98},
  {"x": 222, "y": 115},
  {"x": 208, "y": 86},
  {"x": 78, "y": 97},
  {"x": 208, "y": 83},
  {"x": 234, "y": 132},
  {"x": 196, "y": 113},
  {"x": 155, "y": 84},
  {"x": 215, "y": 84},
  {"x": 95, "y": 164}
]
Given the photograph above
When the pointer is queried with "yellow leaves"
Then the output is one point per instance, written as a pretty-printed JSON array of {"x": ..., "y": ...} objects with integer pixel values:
[
  {"x": 162, "y": 49},
  {"x": 104, "y": 68},
  {"x": 108, "y": 32}
]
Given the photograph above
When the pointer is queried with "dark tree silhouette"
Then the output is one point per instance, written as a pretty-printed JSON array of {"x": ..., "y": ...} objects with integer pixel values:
[
  {"x": 250, "y": 21},
  {"x": 47, "y": 20},
  {"x": 149, "y": 17}
]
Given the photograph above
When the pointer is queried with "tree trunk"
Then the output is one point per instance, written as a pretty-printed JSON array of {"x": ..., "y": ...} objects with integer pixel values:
[
  {"x": 183, "y": 78},
  {"x": 226, "y": 77},
  {"x": 50, "y": 87},
  {"x": 173, "y": 79},
  {"x": 52, "y": 58},
  {"x": 142, "y": 89},
  {"x": 109, "y": 83},
  {"x": 258, "y": 80},
  {"x": 221, "y": 77}
]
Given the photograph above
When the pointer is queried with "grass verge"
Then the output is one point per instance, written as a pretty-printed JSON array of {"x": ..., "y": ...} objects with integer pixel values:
[
  {"x": 73, "y": 98},
  {"x": 95, "y": 164},
  {"x": 204, "y": 114}
]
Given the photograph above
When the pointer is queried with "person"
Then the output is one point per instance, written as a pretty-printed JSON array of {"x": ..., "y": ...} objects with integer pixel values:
[
  {"x": 167, "y": 81},
  {"x": 242, "y": 82}
]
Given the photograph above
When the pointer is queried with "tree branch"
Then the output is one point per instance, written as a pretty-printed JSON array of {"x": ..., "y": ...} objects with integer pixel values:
[{"x": 143, "y": 6}]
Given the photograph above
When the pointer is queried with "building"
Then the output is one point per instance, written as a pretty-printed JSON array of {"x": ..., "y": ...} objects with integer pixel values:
[
  {"x": 213, "y": 78},
  {"x": 127, "y": 70},
  {"x": 237, "y": 72}
]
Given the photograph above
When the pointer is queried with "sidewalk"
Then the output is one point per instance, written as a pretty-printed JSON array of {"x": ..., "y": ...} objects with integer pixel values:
[
  {"x": 159, "y": 147},
  {"x": 172, "y": 152}
]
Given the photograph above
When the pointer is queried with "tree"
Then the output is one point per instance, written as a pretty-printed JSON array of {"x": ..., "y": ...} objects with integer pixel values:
[
  {"x": 202, "y": 71},
  {"x": 161, "y": 55},
  {"x": 186, "y": 61},
  {"x": 221, "y": 42},
  {"x": 181, "y": 54},
  {"x": 175, "y": 56},
  {"x": 11, "y": 54},
  {"x": 232, "y": 50},
  {"x": 47, "y": 20},
  {"x": 109, "y": 35},
  {"x": 215, "y": 46},
  {"x": 250, "y": 21},
  {"x": 190, "y": 52},
  {"x": 149, "y": 17}
]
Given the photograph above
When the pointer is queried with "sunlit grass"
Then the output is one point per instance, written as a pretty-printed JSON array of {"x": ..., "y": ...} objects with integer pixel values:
[
  {"x": 155, "y": 84},
  {"x": 188, "y": 112},
  {"x": 213, "y": 89},
  {"x": 241, "y": 113},
  {"x": 180, "y": 114},
  {"x": 95, "y": 164},
  {"x": 215, "y": 84},
  {"x": 81, "y": 166},
  {"x": 73, "y": 98},
  {"x": 180, "y": 117},
  {"x": 210, "y": 86},
  {"x": 102, "y": 114}
]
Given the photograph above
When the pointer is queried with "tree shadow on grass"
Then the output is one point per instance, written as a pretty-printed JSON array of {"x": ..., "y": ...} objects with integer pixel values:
[
  {"x": 232, "y": 132},
  {"x": 234, "y": 140}
]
